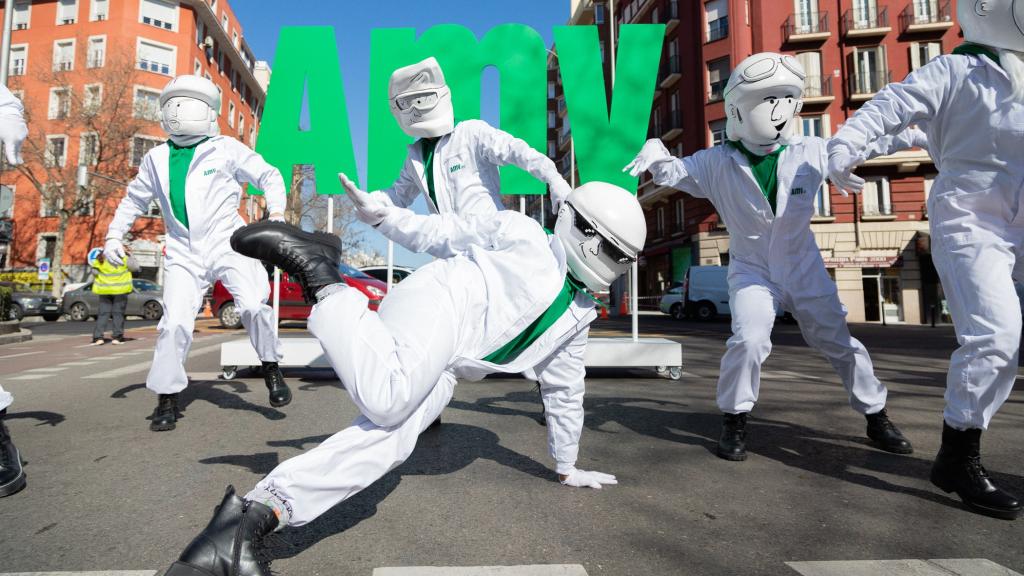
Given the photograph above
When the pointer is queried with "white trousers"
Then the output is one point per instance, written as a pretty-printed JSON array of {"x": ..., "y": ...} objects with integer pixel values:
[
  {"x": 184, "y": 287},
  {"x": 977, "y": 262},
  {"x": 5, "y": 398},
  {"x": 823, "y": 325},
  {"x": 394, "y": 366}
]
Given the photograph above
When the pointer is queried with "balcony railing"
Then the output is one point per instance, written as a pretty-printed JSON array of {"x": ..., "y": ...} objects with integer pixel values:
[
  {"x": 866, "y": 22},
  {"x": 801, "y": 27},
  {"x": 672, "y": 126},
  {"x": 95, "y": 60},
  {"x": 561, "y": 105},
  {"x": 865, "y": 85},
  {"x": 718, "y": 29},
  {"x": 716, "y": 90},
  {"x": 564, "y": 136},
  {"x": 63, "y": 66},
  {"x": 670, "y": 72},
  {"x": 669, "y": 11},
  {"x": 818, "y": 87},
  {"x": 922, "y": 17},
  {"x": 18, "y": 68},
  {"x": 153, "y": 66},
  {"x": 158, "y": 23}
]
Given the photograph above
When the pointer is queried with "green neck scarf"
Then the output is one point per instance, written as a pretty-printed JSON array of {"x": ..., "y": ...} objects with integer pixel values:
[
  {"x": 180, "y": 160},
  {"x": 428, "y": 145},
  {"x": 515, "y": 347},
  {"x": 977, "y": 50},
  {"x": 765, "y": 170}
]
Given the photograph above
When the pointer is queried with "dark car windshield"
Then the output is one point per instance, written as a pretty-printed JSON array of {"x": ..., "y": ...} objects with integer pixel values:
[{"x": 351, "y": 272}]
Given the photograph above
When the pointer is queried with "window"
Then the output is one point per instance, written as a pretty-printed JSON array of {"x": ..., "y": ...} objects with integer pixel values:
[
  {"x": 88, "y": 149},
  {"x": 224, "y": 21},
  {"x": 806, "y": 16},
  {"x": 718, "y": 77},
  {"x": 97, "y": 52},
  {"x": 147, "y": 104},
  {"x": 159, "y": 13},
  {"x": 19, "y": 59},
  {"x": 551, "y": 90},
  {"x": 659, "y": 222},
  {"x": 99, "y": 10},
  {"x": 552, "y": 149},
  {"x": 6, "y": 201},
  {"x": 234, "y": 38},
  {"x": 922, "y": 53},
  {"x": 552, "y": 118},
  {"x": 875, "y": 197},
  {"x": 675, "y": 120},
  {"x": 93, "y": 98},
  {"x": 929, "y": 180},
  {"x": 680, "y": 214},
  {"x": 197, "y": 68},
  {"x": 22, "y": 15},
  {"x": 813, "y": 125},
  {"x": 241, "y": 125},
  {"x": 64, "y": 55},
  {"x": 220, "y": 100},
  {"x": 598, "y": 14},
  {"x": 252, "y": 137},
  {"x": 47, "y": 246},
  {"x": 60, "y": 104},
  {"x": 811, "y": 61},
  {"x": 717, "y": 129},
  {"x": 926, "y": 11},
  {"x": 140, "y": 146},
  {"x": 67, "y": 12},
  {"x": 716, "y": 15},
  {"x": 822, "y": 202},
  {"x": 153, "y": 211},
  {"x": 865, "y": 14},
  {"x": 51, "y": 201},
  {"x": 155, "y": 57},
  {"x": 201, "y": 33},
  {"x": 871, "y": 69},
  {"x": 56, "y": 151}
]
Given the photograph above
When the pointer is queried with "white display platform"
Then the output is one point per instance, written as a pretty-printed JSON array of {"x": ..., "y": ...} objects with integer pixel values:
[{"x": 659, "y": 353}]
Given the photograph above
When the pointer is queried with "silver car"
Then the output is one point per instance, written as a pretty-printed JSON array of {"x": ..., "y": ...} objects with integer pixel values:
[{"x": 145, "y": 301}]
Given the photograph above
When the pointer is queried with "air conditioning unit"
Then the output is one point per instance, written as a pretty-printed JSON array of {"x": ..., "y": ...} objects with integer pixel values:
[
  {"x": 101, "y": 17},
  {"x": 68, "y": 21},
  {"x": 21, "y": 26}
]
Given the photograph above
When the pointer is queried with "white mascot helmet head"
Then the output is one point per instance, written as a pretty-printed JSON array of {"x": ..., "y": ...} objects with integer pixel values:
[
  {"x": 602, "y": 229},
  {"x": 188, "y": 109},
  {"x": 762, "y": 100},
  {"x": 421, "y": 101},
  {"x": 995, "y": 23}
]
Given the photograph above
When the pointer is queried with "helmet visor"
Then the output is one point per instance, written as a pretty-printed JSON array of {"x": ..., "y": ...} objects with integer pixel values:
[
  {"x": 418, "y": 100},
  {"x": 605, "y": 246}
]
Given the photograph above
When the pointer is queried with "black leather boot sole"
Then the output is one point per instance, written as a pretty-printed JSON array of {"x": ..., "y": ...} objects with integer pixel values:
[
  {"x": 312, "y": 257},
  {"x": 947, "y": 485},
  {"x": 12, "y": 471},
  {"x": 278, "y": 392}
]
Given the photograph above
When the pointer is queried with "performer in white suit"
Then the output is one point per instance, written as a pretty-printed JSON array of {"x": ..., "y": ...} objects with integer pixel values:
[
  {"x": 763, "y": 182},
  {"x": 194, "y": 177},
  {"x": 971, "y": 104}
]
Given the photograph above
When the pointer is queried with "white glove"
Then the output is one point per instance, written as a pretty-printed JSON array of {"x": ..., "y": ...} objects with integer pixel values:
[
  {"x": 580, "y": 478},
  {"x": 276, "y": 217},
  {"x": 841, "y": 163},
  {"x": 113, "y": 251},
  {"x": 560, "y": 190},
  {"x": 654, "y": 151},
  {"x": 13, "y": 132},
  {"x": 369, "y": 210}
]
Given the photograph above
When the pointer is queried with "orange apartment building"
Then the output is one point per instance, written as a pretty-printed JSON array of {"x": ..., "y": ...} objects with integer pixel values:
[
  {"x": 875, "y": 245},
  {"x": 73, "y": 40}
]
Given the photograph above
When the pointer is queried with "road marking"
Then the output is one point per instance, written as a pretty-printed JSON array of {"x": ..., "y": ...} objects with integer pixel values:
[
  {"x": 533, "y": 570},
  {"x": 81, "y": 363},
  {"x": 19, "y": 355},
  {"x": 786, "y": 375},
  {"x": 955, "y": 567},
  {"x": 31, "y": 376},
  {"x": 105, "y": 573},
  {"x": 47, "y": 369},
  {"x": 142, "y": 368}
]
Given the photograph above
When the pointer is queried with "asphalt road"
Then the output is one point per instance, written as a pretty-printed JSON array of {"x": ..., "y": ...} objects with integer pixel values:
[{"x": 104, "y": 493}]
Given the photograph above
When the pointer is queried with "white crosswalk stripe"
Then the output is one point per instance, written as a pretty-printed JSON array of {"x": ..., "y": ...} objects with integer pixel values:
[
  {"x": 134, "y": 368},
  {"x": 534, "y": 570},
  {"x": 30, "y": 376},
  {"x": 106, "y": 573},
  {"x": 949, "y": 567}
]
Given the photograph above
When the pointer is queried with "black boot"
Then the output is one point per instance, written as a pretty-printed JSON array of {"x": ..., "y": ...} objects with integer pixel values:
[
  {"x": 312, "y": 257},
  {"x": 165, "y": 416},
  {"x": 12, "y": 475},
  {"x": 230, "y": 543},
  {"x": 958, "y": 468},
  {"x": 885, "y": 435},
  {"x": 280, "y": 395},
  {"x": 733, "y": 443}
]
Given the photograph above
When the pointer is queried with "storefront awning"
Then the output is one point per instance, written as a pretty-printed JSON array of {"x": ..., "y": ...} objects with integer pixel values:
[{"x": 886, "y": 261}]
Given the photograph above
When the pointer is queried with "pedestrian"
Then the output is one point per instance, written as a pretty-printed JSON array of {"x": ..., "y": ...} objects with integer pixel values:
[
  {"x": 763, "y": 181},
  {"x": 194, "y": 177},
  {"x": 12, "y": 134},
  {"x": 504, "y": 296},
  {"x": 971, "y": 104},
  {"x": 112, "y": 285}
]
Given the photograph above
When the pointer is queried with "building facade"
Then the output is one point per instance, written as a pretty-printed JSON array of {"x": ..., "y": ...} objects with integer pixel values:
[
  {"x": 66, "y": 55},
  {"x": 875, "y": 245}
]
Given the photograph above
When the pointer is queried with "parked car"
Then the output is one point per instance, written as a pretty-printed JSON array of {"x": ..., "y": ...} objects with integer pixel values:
[
  {"x": 704, "y": 294},
  {"x": 26, "y": 302},
  {"x": 398, "y": 273},
  {"x": 293, "y": 304},
  {"x": 146, "y": 300}
]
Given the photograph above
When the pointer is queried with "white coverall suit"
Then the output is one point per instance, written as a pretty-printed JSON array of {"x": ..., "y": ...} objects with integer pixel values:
[
  {"x": 496, "y": 276},
  {"x": 465, "y": 171},
  {"x": 775, "y": 262},
  {"x": 12, "y": 113},
  {"x": 201, "y": 254},
  {"x": 976, "y": 137}
]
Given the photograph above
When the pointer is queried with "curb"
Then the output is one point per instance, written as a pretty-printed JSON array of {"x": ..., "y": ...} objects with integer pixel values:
[{"x": 16, "y": 337}]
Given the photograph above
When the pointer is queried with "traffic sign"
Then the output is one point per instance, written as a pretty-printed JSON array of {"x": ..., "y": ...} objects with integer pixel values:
[
  {"x": 44, "y": 268},
  {"x": 94, "y": 254}
]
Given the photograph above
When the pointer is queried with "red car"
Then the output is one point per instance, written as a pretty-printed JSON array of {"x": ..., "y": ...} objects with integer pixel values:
[{"x": 293, "y": 305}]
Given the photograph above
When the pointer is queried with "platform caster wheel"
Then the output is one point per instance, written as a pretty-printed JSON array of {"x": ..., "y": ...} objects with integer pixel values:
[
  {"x": 229, "y": 372},
  {"x": 675, "y": 372}
]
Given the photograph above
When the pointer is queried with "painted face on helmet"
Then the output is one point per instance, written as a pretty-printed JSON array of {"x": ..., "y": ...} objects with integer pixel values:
[
  {"x": 993, "y": 23},
  {"x": 421, "y": 101},
  {"x": 769, "y": 120}
]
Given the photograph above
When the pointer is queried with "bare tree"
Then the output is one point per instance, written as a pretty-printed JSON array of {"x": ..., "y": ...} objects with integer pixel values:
[
  {"x": 308, "y": 210},
  {"x": 97, "y": 107}
]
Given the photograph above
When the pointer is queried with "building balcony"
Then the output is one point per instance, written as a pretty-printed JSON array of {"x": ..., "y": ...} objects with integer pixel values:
[
  {"x": 818, "y": 90},
  {"x": 806, "y": 28},
  {"x": 670, "y": 15},
  {"x": 673, "y": 126},
  {"x": 718, "y": 29},
  {"x": 716, "y": 91},
  {"x": 929, "y": 17},
  {"x": 561, "y": 106},
  {"x": 670, "y": 72},
  {"x": 564, "y": 138},
  {"x": 863, "y": 87},
  {"x": 865, "y": 24}
]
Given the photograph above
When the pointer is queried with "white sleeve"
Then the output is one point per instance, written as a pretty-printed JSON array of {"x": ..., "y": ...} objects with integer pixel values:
[
  {"x": 250, "y": 167},
  {"x": 135, "y": 202},
  {"x": 915, "y": 100},
  {"x": 684, "y": 174},
  {"x": 501, "y": 148},
  {"x": 562, "y": 386},
  {"x": 404, "y": 190},
  {"x": 440, "y": 235}
]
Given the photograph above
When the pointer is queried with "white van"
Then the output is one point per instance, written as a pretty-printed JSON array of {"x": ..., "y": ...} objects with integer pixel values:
[{"x": 704, "y": 294}]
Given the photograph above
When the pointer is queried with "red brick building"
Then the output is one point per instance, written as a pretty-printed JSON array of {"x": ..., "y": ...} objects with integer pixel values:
[
  {"x": 73, "y": 40},
  {"x": 875, "y": 245}
]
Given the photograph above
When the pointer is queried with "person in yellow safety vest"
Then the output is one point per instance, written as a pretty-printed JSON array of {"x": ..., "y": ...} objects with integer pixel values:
[{"x": 112, "y": 284}]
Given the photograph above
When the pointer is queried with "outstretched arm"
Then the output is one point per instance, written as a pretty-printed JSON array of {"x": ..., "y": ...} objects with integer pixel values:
[
  {"x": 250, "y": 167},
  {"x": 501, "y": 148},
  {"x": 679, "y": 173}
]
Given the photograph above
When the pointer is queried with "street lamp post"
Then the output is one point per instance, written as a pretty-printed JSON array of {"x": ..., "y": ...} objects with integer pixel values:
[{"x": 5, "y": 48}]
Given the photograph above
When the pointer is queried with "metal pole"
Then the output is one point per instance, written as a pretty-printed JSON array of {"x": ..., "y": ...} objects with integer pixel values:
[
  {"x": 330, "y": 214},
  {"x": 522, "y": 205},
  {"x": 277, "y": 299},
  {"x": 391, "y": 262},
  {"x": 5, "y": 48}
]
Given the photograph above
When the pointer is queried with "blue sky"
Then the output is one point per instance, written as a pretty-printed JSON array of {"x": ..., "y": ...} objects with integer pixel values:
[{"x": 353, "y": 20}]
